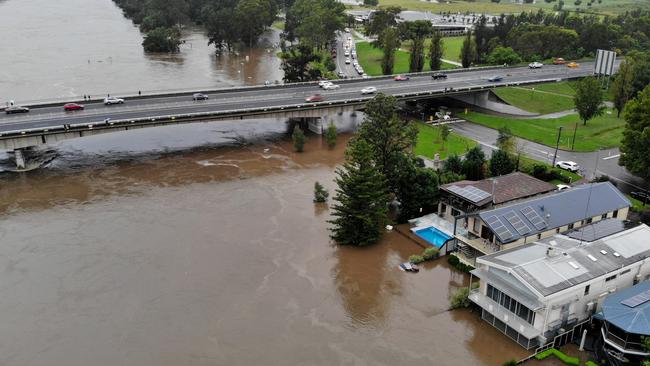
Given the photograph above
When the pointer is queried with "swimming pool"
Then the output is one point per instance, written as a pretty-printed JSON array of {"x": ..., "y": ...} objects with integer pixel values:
[{"x": 434, "y": 236}]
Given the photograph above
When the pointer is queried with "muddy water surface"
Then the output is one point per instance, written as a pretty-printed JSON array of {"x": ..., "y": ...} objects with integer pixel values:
[{"x": 211, "y": 256}]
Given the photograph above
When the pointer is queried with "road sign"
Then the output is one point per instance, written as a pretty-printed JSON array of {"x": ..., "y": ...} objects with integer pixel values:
[{"x": 604, "y": 64}]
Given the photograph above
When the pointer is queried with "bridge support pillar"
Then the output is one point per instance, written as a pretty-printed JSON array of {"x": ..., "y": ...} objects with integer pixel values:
[
  {"x": 315, "y": 125},
  {"x": 20, "y": 159}
]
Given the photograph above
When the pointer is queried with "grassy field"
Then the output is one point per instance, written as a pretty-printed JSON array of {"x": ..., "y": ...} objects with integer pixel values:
[
  {"x": 506, "y": 6},
  {"x": 452, "y": 46},
  {"x": 429, "y": 143},
  {"x": 601, "y": 132},
  {"x": 637, "y": 205},
  {"x": 370, "y": 59},
  {"x": 542, "y": 98}
]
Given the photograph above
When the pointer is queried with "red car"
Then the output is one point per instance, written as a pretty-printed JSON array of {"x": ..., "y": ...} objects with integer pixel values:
[
  {"x": 73, "y": 107},
  {"x": 315, "y": 98},
  {"x": 401, "y": 78}
]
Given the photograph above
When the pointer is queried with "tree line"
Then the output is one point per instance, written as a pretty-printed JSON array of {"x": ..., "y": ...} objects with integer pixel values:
[{"x": 227, "y": 22}]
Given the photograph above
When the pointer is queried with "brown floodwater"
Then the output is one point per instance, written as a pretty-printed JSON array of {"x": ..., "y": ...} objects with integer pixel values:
[{"x": 144, "y": 249}]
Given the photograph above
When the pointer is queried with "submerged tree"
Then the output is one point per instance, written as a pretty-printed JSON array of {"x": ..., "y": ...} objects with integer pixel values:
[
  {"x": 330, "y": 135},
  {"x": 298, "y": 138},
  {"x": 359, "y": 210},
  {"x": 320, "y": 193}
]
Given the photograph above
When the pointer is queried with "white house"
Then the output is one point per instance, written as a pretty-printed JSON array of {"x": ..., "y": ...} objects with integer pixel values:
[{"x": 532, "y": 291}]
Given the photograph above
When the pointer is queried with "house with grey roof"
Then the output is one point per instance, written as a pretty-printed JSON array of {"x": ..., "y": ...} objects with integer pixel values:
[
  {"x": 524, "y": 221},
  {"x": 625, "y": 318},
  {"x": 533, "y": 292}
]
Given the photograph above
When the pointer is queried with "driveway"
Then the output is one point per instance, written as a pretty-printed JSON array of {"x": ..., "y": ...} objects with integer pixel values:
[{"x": 603, "y": 162}]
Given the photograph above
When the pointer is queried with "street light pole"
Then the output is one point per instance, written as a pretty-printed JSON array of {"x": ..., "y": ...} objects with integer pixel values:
[{"x": 557, "y": 145}]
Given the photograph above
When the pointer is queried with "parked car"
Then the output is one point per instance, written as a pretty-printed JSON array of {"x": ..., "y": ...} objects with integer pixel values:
[
  {"x": 439, "y": 75},
  {"x": 73, "y": 107},
  {"x": 201, "y": 96},
  {"x": 495, "y": 78},
  {"x": 573, "y": 65},
  {"x": 113, "y": 100},
  {"x": 641, "y": 196},
  {"x": 16, "y": 109},
  {"x": 401, "y": 78},
  {"x": 568, "y": 165},
  {"x": 559, "y": 61},
  {"x": 315, "y": 98},
  {"x": 535, "y": 65},
  {"x": 561, "y": 187},
  {"x": 331, "y": 86},
  {"x": 369, "y": 90},
  {"x": 365, "y": 76}
]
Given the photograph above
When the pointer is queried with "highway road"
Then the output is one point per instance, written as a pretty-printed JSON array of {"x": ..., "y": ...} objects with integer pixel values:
[{"x": 272, "y": 96}]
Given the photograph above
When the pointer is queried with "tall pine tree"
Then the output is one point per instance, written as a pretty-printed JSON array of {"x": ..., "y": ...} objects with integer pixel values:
[{"x": 435, "y": 51}]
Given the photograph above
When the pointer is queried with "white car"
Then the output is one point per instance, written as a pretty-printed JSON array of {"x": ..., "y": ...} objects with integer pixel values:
[
  {"x": 347, "y": 53},
  {"x": 331, "y": 86},
  {"x": 568, "y": 165},
  {"x": 347, "y": 61},
  {"x": 369, "y": 90},
  {"x": 322, "y": 83},
  {"x": 535, "y": 65},
  {"x": 365, "y": 76},
  {"x": 561, "y": 187},
  {"x": 113, "y": 100}
]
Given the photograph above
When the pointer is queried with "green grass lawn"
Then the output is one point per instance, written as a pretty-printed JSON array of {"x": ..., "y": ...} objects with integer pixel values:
[
  {"x": 370, "y": 59},
  {"x": 487, "y": 6},
  {"x": 605, "y": 131},
  {"x": 452, "y": 46},
  {"x": 429, "y": 142},
  {"x": 637, "y": 205}
]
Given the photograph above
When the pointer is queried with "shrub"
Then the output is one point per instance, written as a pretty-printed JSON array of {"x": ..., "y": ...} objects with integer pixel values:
[
  {"x": 430, "y": 253},
  {"x": 330, "y": 135},
  {"x": 320, "y": 193},
  {"x": 298, "y": 138},
  {"x": 456, "y": 263},
  {"x": 573, "y": 361},
  {"x": 510, "y": 363},
  {"x": 460, "y": 298},
  {"x": 415, "y": 259},
  {"x": 540, "y": 171},
  {"x": 591, "y": 363}
]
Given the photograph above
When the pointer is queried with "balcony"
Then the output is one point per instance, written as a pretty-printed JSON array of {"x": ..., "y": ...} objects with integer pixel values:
[
  {"x": 623, "y": 345},
  {"x": 480, "y": 244},
  {"x": 504, "y": 315}
]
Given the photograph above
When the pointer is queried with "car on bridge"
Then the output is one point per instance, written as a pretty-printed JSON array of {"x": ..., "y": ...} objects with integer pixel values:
[
  {"x": 201, "y": 96},
  {"x": 559, "y": 61},
  {"x": 113, "y": 100},
  {"x": 495, "y": 78},
  {"x": 535, "y": 65},
  {"x": 315, "y": 98},
  {"x": 401, "y": 78},
  {"x": 16, "y": 109},
  {"x": 438, "y": 75},
  {"x": 331, "y": 86},
  {"x": 73, "y": 107},
  {"x": 369, "y": 90},
  {"x": 571, "y": 166},
  {"x": 573, "y": 65},
  {"x": 347, "y": 61}
]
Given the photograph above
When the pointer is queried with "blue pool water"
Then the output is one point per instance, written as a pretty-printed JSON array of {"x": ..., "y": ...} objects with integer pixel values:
[{"x": 433, "y": 236}]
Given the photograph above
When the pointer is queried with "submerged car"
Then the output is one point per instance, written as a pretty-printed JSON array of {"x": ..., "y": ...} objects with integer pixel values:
[
  {"x": 73, "y": 107},
  {"x": 315, "y": 98},
  {"x": 571, "y": 166}
]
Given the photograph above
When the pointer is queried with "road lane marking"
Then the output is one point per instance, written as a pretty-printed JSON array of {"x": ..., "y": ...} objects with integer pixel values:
[{"x": 611, "y": 157}]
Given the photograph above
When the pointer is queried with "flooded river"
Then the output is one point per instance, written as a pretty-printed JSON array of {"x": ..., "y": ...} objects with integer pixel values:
[
  {"x": 68, "y": 48},
  {"x": 139, "y": 249}
]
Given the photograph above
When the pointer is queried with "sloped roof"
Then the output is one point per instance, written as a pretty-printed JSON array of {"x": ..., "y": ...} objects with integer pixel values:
[
  {"x": 512, "y": 222},
  {"x": 505, "y": 188},
  {"x": 631, "y": 319}
]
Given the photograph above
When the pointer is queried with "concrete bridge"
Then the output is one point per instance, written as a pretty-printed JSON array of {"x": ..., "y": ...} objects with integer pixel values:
[{"x": 48, "y": 123}]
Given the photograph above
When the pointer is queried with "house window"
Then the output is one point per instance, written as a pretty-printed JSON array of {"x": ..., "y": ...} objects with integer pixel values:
[
  {"x": 603, "y": 216},
  {"x": 454, "y": 212},
  {"x": 589, "y": 220},
  {"x": 557, "y": 230},
  {"x": 477, "y": 225},
  {"x": 570, "y": 226},
  {"x": 443, "y": 208},
  {"x": 539, "y": 236},
  {"x": 615, "y": 214},
  {"x": 610, "y": 278},
  {"x": 587, "y": 290},
  {"x": 511, "y": 304}
]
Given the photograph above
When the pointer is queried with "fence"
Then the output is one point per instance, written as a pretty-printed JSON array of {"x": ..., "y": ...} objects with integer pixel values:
[{"x": 559, "y": 340}]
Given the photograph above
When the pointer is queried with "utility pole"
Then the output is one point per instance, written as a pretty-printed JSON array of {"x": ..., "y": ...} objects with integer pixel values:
[
  {"x": 575, "y": 131},
  {"x": 557, "y": 144}
]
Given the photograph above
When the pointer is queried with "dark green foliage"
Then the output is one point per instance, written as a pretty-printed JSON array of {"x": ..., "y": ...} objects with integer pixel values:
[
  {"x": 371, "y": 2},
  {"x": 589, "y": 99},
  {"x": 504, "y": 55},
  {"x": 574, "y": 361},
  {"x": 298, "y": 138},
  {"x": 450, "y": 177},
  {"x": 460, "y": 298},
  {"x": 388, "y": 41},
  {"x": 444, "y": 134},
  {"x": 416, "y": 259},
  {"x": 531, "y": 41},
  {"x": 540, "y": 172},
  {"x": 473, "y": 164},
  {"x": 468, "y": 50},
  {"x": 162, "y": 40},
  {"x": 417, "y": 189},
  {"x": 320, "y": 193},
  {"x": 315, "y": 22},
  {"x": 436, "y": 50},
  {"x": 330, "y": 135},
  {"x": 505, "y": 140},
  {"x": 382, "y": 19},
  {"x": 416, "y": 32},
  {"x": 388, "y": 136},
  {"x": 512, "y": 362},
  {"x": 501, "y": 163},
  {"x": 359, "y": 210},
  {"x": 622, "y": 86},
  {"x": 454, "y": 164},
  {"x": 297, "y": 61},
  {"x": 430, "y": 253},
  {"x": 635, "y": 146},
  {"x": 456, "y": 263}
]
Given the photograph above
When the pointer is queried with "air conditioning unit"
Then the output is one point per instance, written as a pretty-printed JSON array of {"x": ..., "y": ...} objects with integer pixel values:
[
  {"x": 636, "y": 280},
  {"x": 590, "y": 306}
]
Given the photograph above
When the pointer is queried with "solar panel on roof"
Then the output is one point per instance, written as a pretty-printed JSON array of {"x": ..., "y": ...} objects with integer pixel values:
[
  {"x": 637, "y": 300},
  {"x": 517, "y": 223},
  {"x": 499, "y": 228},
  {"x": 534, "y": 218},
  {"x": 469, "y": 192}
]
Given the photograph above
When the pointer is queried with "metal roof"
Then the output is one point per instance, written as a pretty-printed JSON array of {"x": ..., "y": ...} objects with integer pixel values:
[
  {"x": 560, "y": 262},
  {"x": 537, "y": 215},
  {"x": 631, "y": 319}
]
